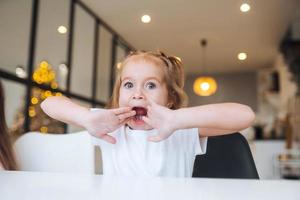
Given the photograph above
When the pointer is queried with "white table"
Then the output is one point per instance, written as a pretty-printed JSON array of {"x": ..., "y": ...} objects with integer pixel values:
[{"x": 54, "y": 186}]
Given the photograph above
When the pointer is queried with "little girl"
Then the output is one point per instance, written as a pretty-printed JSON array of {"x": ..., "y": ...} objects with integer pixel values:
[{"x": 146, "y": 130}]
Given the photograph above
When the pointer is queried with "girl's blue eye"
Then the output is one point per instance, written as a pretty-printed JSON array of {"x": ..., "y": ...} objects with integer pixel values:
[
  {"x": 128, "y": 85},
  {"x": 150, "y": 85}
]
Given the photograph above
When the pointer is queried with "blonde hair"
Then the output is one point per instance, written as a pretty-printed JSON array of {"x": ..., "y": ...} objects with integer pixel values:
[{"x": 173, "y": 74}]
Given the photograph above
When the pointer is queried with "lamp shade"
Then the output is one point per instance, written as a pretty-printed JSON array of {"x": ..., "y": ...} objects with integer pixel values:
[{"x": 205, "y": 86}]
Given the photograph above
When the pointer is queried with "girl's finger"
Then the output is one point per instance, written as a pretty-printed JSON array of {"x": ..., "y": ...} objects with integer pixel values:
[
  {"x": 118, "y": 111},
  {"x": 147, "y": 120},
  {"x": 124, "y": 122},
  {"x": 126, "y": 115},
  {"x": 108, "y": 139},
  {"x": 148, "y": 109}
]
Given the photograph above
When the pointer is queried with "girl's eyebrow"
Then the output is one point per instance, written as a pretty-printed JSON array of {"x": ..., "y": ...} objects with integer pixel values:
[
  {"x": 152, "y": 77},
  {"x": 155, "y": 78},
  {"x": 126, "y": 78}
]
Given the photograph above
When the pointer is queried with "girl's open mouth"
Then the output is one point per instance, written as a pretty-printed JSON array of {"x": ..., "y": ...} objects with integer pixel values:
[{"x": 140, "y": 112}]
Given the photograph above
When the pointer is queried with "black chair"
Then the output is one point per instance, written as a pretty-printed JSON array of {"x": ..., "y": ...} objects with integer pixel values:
[{"x": 227, "y": 156}]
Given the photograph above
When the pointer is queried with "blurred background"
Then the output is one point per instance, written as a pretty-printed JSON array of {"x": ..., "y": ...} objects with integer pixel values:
[{"x": 244, "y": 51}]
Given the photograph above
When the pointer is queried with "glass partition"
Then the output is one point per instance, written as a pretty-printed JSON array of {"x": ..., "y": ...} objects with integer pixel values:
[
  {"x": 15, "y": 19},
  {"x": 104, "y": 65},
  {"x": 82, "y": 67},
  {"x": 52, "y": 37}
]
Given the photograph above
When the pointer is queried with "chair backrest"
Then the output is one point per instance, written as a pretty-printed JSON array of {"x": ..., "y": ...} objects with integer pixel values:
[
  {"x": 227, "y": 156},
  {"x": 71, "y": 153}
]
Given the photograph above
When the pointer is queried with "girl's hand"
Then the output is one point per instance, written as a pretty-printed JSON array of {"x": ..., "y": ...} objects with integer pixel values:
[
  {"x": 103, "y": 121},
  {"x": 160, "y": 118}
]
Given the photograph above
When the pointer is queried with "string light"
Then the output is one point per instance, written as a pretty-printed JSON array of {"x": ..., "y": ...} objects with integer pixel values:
[
  {"x": 48, "y": 93},
  {"x": 34, "y": 100},
  {"x": 44, "y": 74},
  {"x": 54, "y": 85},
  {"x": 44, "y": 129},
  {"x": 32, "y": 112}
]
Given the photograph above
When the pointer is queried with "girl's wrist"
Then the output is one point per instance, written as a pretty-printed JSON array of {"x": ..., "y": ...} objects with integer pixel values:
[
  {"x": 181, "y": 119},
  {"x": 176, "y": 120},
  {"x": 84, "y": 119}
]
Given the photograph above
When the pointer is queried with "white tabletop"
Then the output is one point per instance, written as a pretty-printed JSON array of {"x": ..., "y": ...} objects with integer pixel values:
[{"x": 54, "y": 186}]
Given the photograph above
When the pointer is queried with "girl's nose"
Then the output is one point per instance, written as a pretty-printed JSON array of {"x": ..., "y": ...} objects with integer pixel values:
[{"x": 138, "y": 95}]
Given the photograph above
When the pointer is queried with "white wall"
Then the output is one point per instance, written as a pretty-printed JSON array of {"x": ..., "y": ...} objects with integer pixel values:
[{"x": 239, "y": 87}]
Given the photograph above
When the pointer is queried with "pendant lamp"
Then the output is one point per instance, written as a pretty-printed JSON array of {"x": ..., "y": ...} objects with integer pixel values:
[{"x": 204, "y": 85}]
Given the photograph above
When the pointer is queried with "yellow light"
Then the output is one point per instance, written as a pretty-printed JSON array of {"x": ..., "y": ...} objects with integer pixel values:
[
  {"x": 205, "y": 86},
  {"x": 34, "y": 100},
  {"x": 245, "y": 7},
  {"x": 31, "y": 111},
  {"x": 51, "y": 76},
  {"x": 242, "y": 56},
  {"x": 54, "y": 85},
  {"x": 48, "y": 93},
  {"x": 44, "y": 73},
  {"x": 44, "y": 129},
  {"x": 146, "y": 19},
  {"x": 62, "y": 29},
  {"x": 44, "y": 64},
  {"x": 43, "y": 95}
]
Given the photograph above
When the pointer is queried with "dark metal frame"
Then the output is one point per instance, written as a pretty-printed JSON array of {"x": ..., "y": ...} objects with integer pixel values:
[{"x": 29, "y": 83}]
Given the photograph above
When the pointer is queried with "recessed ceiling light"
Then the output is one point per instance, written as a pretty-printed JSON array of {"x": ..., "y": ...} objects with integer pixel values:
[
  {"x": 62, "y": 29},
  {"x": 63, "y": 68},
  {"x": 20, "y": 72},
  {"x": 242, "y": 56},
  {"x": 245, "y": 7},
  {"x": 146, "y": 19}
]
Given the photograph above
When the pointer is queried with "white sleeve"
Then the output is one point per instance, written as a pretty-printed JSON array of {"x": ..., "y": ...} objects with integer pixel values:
[
  {"x": 191, "y": 141},
  {"x": 93, "y": 109},
  {"x": 200, "y": 143}
]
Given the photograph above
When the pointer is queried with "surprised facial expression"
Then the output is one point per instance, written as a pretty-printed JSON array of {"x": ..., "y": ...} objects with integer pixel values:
[{"x": 141, "y": 80}]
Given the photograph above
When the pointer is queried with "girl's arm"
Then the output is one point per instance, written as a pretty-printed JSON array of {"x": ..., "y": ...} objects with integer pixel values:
[
  {"x": 211, "y": 120},
  {"x": 63, "y": 109},
  {"x": 215, "y": 119},
  {"x": 98, "y": 123}
]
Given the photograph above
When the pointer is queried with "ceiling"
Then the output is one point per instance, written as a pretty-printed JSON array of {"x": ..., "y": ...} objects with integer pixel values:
[{"x": 177, "y": 27}]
